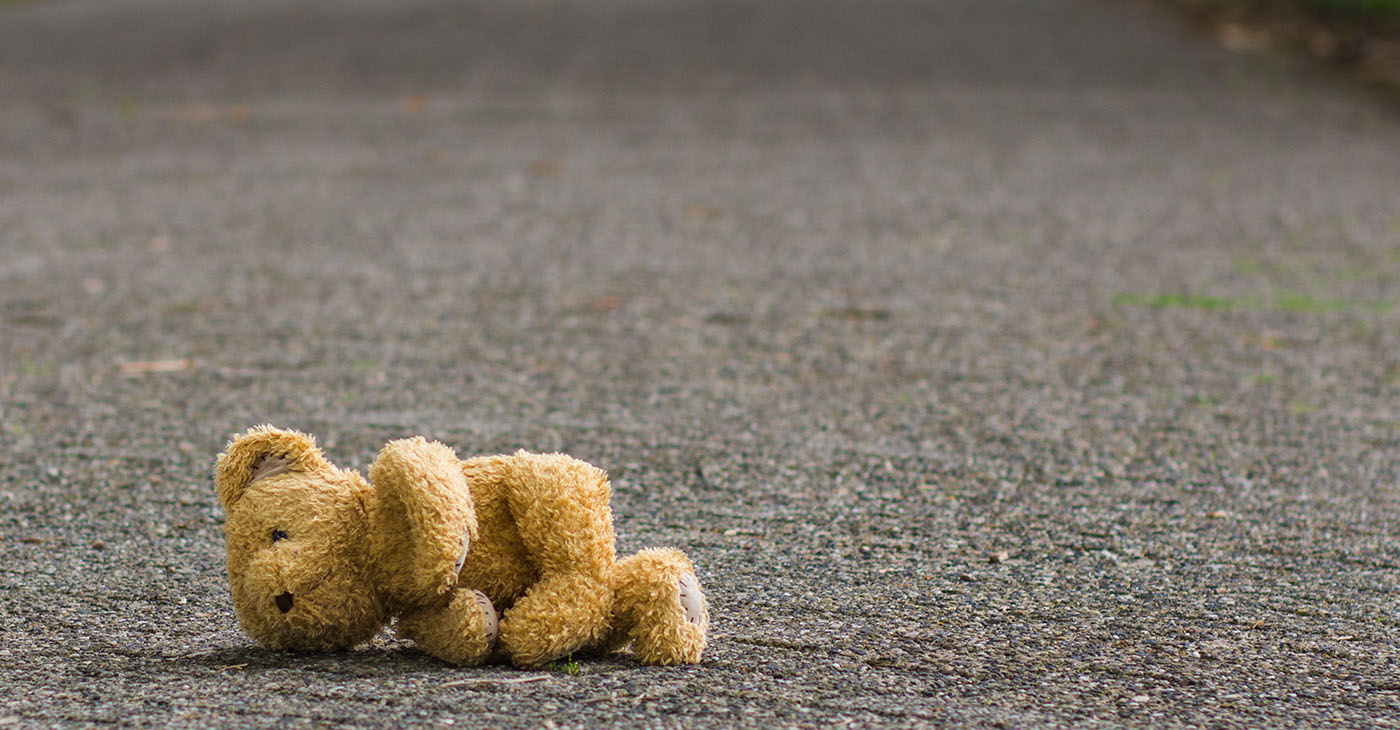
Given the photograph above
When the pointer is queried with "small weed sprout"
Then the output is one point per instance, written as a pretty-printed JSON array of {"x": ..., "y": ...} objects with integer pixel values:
[{"x": 568, "y": 665}]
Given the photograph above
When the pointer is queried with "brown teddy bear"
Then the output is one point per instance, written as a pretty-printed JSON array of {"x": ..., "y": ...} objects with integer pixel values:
[{"x": 320, "y": 559}]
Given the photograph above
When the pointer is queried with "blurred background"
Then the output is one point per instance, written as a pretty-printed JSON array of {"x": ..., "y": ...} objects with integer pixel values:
[{"x": 1000, "y": 363}]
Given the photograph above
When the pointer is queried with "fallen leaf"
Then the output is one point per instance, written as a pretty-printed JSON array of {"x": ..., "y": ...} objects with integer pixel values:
[
  {"x": 547, "y": 168},
  {"x": 607, "y": 304},
  {"x": 1323, "y": 44},
  {"x": 194, "y": 114},
  {"x": 137, "y": 367},
  {"x": 700, "y": 211},
  {"x": 414, "y": 103},
  {"x": 1237, "y": 37}
]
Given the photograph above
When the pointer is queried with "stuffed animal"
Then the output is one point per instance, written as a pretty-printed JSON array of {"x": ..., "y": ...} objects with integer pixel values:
[{"x": 321, "y": 559}]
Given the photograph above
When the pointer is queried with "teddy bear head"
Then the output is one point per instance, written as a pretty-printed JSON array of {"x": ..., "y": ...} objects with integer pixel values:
[
  {"x": 297, "y": 535},
  {"x": 318, "y": 557}
]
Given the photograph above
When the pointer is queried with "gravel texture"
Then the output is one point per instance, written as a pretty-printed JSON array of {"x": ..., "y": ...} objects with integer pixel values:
[{"x": 1001, "y": 363}]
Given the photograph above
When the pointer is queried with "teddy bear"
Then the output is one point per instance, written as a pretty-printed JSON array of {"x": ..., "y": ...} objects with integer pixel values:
[{"x": 494, "y": 557}]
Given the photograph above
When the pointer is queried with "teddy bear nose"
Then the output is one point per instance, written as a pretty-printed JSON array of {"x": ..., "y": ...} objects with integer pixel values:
[{"x": 284, "y": 602}]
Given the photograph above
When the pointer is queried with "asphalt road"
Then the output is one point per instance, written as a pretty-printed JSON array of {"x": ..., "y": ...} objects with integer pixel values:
[{"x": 1001, "y": 363}]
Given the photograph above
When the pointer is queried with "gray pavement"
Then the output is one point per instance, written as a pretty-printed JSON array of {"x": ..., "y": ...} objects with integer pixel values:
[{"x": 1001, "y": 363}]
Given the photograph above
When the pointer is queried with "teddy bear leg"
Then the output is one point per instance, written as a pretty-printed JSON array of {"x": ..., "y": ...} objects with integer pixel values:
[
  {"x": 462, "y": 631},
  {"x": 659, "y": 606},
  {"x": 561, "y": 614},
  {"x": 560, "y": 507}
]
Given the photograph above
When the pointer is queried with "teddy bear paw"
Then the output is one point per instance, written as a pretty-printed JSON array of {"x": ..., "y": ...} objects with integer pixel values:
[
  {"x": 462, "y": 554},
  {"x": 488, "y": 611},
  {"x": 692, "y": 600}
]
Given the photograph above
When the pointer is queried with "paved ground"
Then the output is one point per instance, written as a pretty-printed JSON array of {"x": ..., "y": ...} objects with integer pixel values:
[{"x": 1002, "y": 363}]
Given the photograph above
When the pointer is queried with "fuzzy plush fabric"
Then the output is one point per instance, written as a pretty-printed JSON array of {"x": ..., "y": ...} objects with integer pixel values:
[{"x": 497, "y": 556}]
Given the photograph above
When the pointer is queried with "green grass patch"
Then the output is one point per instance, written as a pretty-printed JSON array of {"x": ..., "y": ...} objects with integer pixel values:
[
  {"x": 1182, "y": 301},
  {"x": 1337, "y": 10},
  {"x": 1247, "y": 266},
  {"x": 1282, "y": 300},
  {"x": 36, "y": 369},
  {"x": 1294, "y": 302},
  {"x": 568, "y": 665},
  {"x": 1354, "y": 7}
]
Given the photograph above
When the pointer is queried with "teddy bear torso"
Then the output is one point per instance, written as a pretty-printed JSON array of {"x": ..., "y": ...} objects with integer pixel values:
[{"x": 498, "y": 563}]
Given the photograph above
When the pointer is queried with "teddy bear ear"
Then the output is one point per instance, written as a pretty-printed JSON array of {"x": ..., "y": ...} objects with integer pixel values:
[{"x": 259, "y": 453}]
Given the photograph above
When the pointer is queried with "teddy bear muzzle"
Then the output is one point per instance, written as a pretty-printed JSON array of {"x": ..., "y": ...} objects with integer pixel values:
[{"x": 283, "y": 601}]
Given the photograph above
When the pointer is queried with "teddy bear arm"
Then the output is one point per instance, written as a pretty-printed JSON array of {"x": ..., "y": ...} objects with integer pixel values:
[{"x": 422, "y": 520}]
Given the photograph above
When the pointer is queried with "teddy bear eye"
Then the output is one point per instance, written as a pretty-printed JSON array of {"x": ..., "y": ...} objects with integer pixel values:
[{"x": 279, "y": 535}]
